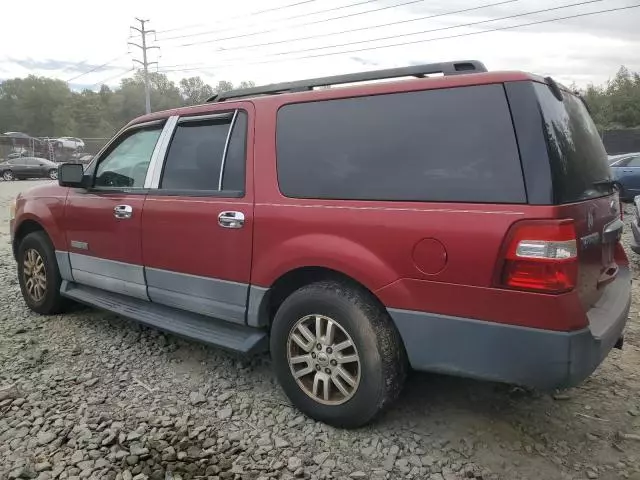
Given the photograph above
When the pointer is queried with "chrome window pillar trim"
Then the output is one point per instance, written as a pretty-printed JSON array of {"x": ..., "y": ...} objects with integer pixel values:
[
  {"x": 152, "y": 180},
  {"x": 226, "y": 148}
]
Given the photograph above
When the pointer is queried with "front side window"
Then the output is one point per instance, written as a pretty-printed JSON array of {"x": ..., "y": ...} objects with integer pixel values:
[
  {"x": 199, "y": 149},
  {"x": 126, "y": 165},
  {"x": 448, "y": 145}
]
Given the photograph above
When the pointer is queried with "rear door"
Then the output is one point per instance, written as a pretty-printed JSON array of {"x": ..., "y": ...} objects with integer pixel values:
[
  {"x": 197, "y": 226},
  {"x": 581, "y": 188},
  {"x": 102, "y": 223}
]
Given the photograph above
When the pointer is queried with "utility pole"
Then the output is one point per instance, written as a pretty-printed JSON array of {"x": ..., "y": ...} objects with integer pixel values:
[{"x": 145, "y": 63}]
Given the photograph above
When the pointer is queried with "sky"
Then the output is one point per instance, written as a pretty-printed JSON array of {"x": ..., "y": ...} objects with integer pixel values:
[{"x": 280, "y": 40}]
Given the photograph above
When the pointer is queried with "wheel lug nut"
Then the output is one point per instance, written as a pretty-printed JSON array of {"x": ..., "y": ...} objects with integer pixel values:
[
  {"x": 329, "y": 350},
  {"x": 319, "y": 347},
  {"x": 318, "y": 367},
  {"x": 313, "y": 354},
  {"x": 334, "y": 363},
  {"x": 327, "y": 371}
]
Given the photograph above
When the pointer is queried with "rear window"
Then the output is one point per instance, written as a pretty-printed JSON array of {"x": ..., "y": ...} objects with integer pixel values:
[
  {"x": 449, "y": 145},
  {"x": 578, "y": 157}
]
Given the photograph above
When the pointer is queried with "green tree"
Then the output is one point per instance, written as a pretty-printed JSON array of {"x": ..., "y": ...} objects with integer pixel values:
[
  {"x": 41, "y": 106},
  {"x": 194, "y": 91}
]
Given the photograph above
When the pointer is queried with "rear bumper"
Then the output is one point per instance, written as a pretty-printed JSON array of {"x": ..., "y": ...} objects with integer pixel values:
[{"x": 529, "y": 357}]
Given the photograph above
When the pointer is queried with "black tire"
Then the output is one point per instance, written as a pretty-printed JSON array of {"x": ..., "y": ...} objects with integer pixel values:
[
  {"x": 8, "y": 176},
  {"x": 52, "y": 302},
  {"x": 382, "y": 358},
  {"x": 53, "y": 174},
  {"x": 621, "y": 193}
]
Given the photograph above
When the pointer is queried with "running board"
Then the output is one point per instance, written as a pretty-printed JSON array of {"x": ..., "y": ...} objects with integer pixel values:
[{"x": 237, "y": 338}]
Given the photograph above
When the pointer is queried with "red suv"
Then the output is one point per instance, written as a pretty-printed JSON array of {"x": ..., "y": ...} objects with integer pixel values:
[{"x": 464, "y": 224}]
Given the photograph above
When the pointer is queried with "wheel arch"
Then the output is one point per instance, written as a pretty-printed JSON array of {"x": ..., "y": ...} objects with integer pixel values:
[
  {"x": 26, "y": 227},
  {"x": 267, "y": 301}
]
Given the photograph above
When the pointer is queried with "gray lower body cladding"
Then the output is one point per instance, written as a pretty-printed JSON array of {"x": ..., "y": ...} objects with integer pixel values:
[{"x": 530, "y": 357}]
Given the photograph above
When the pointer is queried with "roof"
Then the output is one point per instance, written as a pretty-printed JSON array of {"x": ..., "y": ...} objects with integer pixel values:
[{"x": 364, "y": 89}]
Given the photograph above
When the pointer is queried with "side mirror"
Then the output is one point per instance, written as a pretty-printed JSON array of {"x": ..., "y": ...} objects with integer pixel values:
[{"x": 71, "y": 175}]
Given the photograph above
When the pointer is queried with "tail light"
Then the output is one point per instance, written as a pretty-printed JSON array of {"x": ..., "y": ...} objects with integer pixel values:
[{"x": 541, "y": 256}]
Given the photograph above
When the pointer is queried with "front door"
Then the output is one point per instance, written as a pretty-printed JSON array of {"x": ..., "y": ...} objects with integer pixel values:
[
  {"x": 197, "y": 224},
  {"x": 102, "y": 223}
]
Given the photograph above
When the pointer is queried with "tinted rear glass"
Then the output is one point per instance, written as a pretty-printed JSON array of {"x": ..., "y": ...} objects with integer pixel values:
[
  {"x": 450, "y": 145},
  {"x": 577, "y": 155}
]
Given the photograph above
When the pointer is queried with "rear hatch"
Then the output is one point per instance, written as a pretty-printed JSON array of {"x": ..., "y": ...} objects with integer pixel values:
[{"x": 582, "y": 187}]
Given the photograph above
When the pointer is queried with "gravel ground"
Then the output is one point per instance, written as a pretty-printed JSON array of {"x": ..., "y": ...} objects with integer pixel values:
[{"x": 91, "y": 395}]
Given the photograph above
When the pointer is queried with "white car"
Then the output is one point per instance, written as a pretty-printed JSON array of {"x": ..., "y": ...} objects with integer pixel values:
[{"x": 71, "y": 143}]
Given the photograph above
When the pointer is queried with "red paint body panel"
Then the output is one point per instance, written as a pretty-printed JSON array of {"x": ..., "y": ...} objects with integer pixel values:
[
  {"x": 89, "y": 218},
  {"x": 44, "y": 204},
  {"x": 182, "y": 235}
]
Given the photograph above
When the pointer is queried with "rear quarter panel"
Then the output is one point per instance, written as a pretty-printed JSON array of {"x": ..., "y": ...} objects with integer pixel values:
[{"x": 379, "y": 245}]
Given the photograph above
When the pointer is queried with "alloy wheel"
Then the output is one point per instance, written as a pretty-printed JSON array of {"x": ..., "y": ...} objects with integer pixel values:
[
  {"x": 323, "y": 359},
  {"x": 53, "y": 174},
  {"x": 8, "y": 175},
  {"x": 35, "y": 275}
]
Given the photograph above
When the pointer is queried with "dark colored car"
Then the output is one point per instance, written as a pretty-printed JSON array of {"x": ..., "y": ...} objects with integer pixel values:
[
  {"x": 28, "y": 167},
  {"x": 463, "y": 224},
  {"x": 626, "y": 173}
]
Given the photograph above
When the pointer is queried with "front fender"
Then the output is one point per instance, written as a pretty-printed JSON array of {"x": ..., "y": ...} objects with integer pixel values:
[
  {"x": 322, "y": 250},
  {"x": 47, "y": 211}
]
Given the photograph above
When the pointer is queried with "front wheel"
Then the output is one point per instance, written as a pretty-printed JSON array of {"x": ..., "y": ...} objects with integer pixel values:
[
  {"x": 53, "y": 174},
  {"x": 7, "y": 175},
  {"x": 337, "y": 354},
  {"x": 38, "y": 274}
]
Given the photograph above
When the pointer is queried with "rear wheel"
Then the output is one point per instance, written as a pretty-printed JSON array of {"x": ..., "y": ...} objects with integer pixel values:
[
  {"x": 53, "y": 174},
  {"x": 7, "y": 175},
  {"x": 337, "y": 354},
  {"x": 38, "y": 274}
]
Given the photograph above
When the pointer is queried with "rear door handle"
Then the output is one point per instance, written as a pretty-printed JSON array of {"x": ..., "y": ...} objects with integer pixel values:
[
  {"x": 231, "y": 219},
  {"x": 122, "y": 211}
]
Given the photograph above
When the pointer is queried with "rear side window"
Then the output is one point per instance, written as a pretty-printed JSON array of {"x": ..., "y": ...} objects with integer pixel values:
[
  {"x": 449, "y": 145},
  {"x": 578, "y": 158},
  {"x": 198, "y": 150}
]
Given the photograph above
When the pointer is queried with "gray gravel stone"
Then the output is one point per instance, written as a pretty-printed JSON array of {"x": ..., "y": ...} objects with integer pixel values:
[{"x": 294, "y": 463}]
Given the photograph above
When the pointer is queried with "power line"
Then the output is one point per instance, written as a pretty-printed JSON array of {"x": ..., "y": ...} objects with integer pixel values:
[
  {"x": 413, "y": 42},
  {"x": 301, "y": 15},
  {"x": 391, "y": 37},
  {"x": 97, "y": 68},
  {"x": 244, "y": 15},
  {"x": 304, "y": 24},
  {"x": 371, "y": 27},
  {"x": 101, "y": 82}
]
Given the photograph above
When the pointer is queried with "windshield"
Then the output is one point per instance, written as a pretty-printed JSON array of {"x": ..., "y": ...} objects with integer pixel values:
[{"x": 579, "y": 162}]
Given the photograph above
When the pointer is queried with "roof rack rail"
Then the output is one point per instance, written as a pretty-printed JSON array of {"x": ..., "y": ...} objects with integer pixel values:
[{"x": 419, "y": 71}]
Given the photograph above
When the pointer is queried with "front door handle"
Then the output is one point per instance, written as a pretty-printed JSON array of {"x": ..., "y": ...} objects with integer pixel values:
[
  {"x": 231, "y": 219},
  {"x": 122, "y": 211}
]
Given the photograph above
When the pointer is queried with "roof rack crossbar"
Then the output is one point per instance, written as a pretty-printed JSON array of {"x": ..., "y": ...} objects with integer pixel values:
[{"x": 419, "y": 71}]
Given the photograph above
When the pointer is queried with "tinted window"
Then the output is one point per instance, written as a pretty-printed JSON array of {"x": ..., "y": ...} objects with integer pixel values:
[
  {"x": 125, "y": 166},
  {"x": 195, "y": 155},
  {"x": 577, "y": 155},
  {"x": 438, "y": 145}
]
